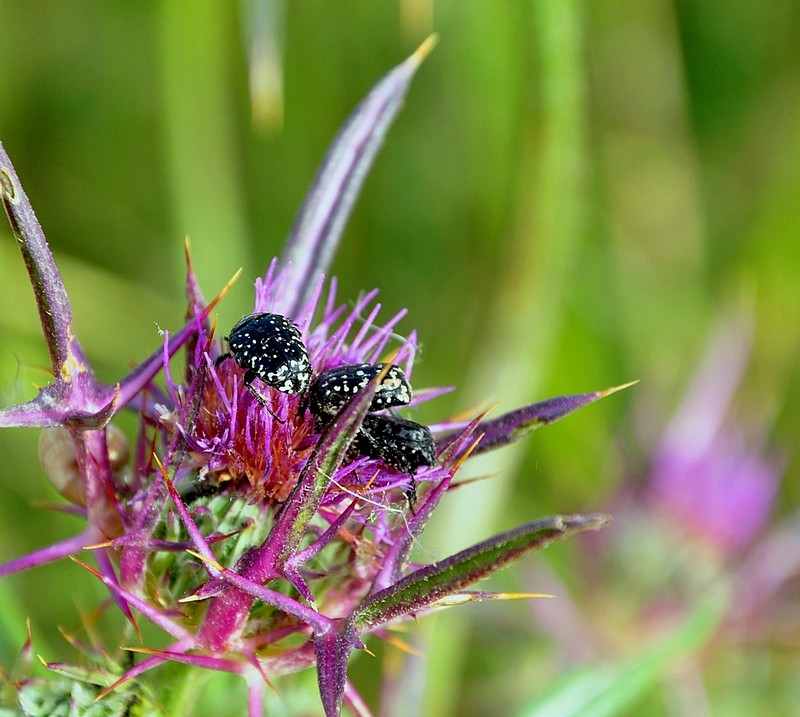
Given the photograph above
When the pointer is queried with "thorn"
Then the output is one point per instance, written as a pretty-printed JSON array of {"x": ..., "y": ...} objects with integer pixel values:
[
  {"x": 207, "y": 561},
  {"x": 98, "y": 546},
  {"x": 614, "y": 389},
  {"x": 466, "y": 453},
  {"x": 425, "y": 48}
]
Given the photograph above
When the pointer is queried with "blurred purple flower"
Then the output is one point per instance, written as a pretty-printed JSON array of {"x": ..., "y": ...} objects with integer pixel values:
[
  {"x": 696, "y": 566},
  {"x": 707, "y": 475}
]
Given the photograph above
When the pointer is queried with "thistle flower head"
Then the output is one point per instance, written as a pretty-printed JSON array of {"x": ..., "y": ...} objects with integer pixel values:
[
  {"x": 709, "y": 475},
  {"x": 232, "y": 442}
]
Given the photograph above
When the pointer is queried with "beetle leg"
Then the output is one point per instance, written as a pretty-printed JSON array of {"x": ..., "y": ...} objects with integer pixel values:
[{"x": 249, "y": 377}]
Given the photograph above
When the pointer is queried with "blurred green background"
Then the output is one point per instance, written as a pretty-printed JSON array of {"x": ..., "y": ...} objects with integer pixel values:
[{"x": 572, "y": 198}]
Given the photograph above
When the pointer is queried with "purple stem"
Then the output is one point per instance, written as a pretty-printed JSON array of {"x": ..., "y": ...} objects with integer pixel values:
[{"x": 55, "y": 310}]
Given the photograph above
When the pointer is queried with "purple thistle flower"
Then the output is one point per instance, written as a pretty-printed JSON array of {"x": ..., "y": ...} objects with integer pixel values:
[
  {"x": 707, "y": 476},
  {"x": 240, "y": 526}
]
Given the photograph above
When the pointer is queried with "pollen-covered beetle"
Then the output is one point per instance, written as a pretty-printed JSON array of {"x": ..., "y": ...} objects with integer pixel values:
[
  {"x": 333, "y": 389},
  {"x": 269, "y": 347}
]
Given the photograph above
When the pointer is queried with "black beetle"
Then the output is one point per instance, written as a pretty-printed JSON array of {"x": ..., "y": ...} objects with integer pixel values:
[
  {"x": 334, "y": 388},
  {"x": 400, "y": 443},
  {"x": 269, "y": 347}
]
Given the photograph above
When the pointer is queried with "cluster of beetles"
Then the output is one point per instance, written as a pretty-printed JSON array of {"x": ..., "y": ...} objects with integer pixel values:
[{"x": 269, "y": 347}]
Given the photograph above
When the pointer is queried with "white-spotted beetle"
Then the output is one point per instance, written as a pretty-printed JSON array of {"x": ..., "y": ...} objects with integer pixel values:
[
  {"x": 269, "y": 347},
  {"x": 334, "y": 388}
]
